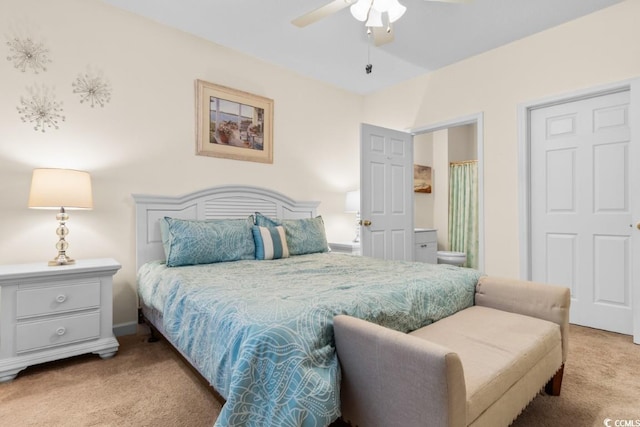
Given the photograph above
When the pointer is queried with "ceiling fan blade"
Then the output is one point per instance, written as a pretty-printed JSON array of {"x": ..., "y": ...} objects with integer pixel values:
[
  {"x": 321, "y": 12},
  {"x": 381, "y": 36}
]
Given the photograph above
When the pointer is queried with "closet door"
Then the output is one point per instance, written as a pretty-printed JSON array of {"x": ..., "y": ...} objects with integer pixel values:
[{"x": 581, "y": 207}]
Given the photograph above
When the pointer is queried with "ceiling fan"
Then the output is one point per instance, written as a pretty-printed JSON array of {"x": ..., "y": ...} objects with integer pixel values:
[{"x": 378, "y": 15}]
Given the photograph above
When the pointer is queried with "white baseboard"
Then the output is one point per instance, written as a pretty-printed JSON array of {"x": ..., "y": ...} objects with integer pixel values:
[{"x": 129, "y": 328}]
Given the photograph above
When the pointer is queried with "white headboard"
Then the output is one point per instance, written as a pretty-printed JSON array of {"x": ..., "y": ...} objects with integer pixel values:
[{"x": 230, "y": 201}]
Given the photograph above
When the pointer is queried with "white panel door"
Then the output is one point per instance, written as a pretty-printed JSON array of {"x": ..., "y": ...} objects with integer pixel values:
[
  {"x": 581, "y": 208},
  {"x": 386, "y": 192}
]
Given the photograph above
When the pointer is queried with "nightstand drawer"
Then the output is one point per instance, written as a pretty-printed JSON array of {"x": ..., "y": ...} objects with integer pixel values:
[
  {"x": 61, "y": 330},
  {"x": 58, "y": 299}
]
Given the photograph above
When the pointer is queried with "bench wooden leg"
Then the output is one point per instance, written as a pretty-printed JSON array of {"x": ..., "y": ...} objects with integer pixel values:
[{"x": 555, "y": 384}]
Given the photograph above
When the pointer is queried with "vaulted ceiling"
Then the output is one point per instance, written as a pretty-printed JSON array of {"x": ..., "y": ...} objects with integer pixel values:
[{"x": 336, "y": 49}]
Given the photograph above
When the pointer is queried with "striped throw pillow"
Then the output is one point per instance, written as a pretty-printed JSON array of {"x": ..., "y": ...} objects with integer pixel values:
[{"x": 270, "y": 242}]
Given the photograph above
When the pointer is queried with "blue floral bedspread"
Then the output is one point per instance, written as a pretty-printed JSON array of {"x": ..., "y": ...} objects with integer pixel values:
[{"x": 262, "y": 331}]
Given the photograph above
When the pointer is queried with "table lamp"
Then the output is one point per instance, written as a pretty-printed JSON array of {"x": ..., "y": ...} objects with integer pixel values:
[
  {"x": 60, "y": 189},
  {"x": 352, "y": 204}
]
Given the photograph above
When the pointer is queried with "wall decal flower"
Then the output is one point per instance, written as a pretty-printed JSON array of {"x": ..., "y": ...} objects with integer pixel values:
[
  {"x": 25, "y": 53},
  {"x": 41, "y": 108},
  {"x": 92, "y": 88}
]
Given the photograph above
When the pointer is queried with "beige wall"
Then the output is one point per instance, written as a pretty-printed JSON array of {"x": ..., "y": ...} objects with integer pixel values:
[
  {"x": 441, "y": 187},
  {"x": 595, "y": 50},
  {"x": 143, "y": 141},
  {"x": 463, "y": 144},
  {"x": 423, "y": 202}
]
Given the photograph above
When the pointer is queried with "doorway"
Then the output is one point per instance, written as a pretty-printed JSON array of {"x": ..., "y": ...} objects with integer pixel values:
[
  {"x": 439, "y": 200},
  {"x": 445, "y": 152}
]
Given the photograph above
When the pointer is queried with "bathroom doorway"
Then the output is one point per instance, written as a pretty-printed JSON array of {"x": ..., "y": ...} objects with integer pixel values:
[{"x": 438, "y": 146}]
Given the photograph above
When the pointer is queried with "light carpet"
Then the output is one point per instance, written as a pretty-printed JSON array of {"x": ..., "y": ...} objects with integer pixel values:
[{"x": 148, "y": 384}]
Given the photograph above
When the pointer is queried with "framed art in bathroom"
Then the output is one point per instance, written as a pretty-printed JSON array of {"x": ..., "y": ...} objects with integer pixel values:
[
  {"x": 233, "y": 124},
  {"x": 422, "y": 182}
]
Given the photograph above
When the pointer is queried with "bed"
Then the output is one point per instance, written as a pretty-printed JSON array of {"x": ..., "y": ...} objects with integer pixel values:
[{"x": 261, "y": 331}]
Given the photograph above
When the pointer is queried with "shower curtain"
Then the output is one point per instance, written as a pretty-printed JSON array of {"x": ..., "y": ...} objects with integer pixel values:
[{"x": 463, "y": 210}]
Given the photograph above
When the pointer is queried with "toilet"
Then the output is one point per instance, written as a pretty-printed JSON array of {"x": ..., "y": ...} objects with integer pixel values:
[{"x": 452, "y": 258}]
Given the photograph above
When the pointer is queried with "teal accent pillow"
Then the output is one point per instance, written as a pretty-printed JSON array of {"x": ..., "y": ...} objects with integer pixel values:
[
  {"x": 265, "y": 221},
  {"x": 271, "y": 242},
  {"x": 304, "y": 236},
  {"x": 191, "y": 242}
]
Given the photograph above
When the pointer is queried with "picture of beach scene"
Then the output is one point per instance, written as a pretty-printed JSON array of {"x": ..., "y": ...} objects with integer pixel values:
[
  {"x": 235, "y": 124},
  {"x": 422, "y": 179}
]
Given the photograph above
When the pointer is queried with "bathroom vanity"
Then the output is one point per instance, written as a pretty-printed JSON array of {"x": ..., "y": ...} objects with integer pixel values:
[{"x": 425, "y": 245}]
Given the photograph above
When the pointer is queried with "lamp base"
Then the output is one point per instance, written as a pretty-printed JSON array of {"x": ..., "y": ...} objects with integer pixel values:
[
  {"x": 61, "y": 259},
  {"x": 62, "y": 231}
]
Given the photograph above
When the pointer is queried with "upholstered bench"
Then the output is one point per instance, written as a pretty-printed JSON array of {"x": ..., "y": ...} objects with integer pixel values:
[{"x": 479, "y": 367}]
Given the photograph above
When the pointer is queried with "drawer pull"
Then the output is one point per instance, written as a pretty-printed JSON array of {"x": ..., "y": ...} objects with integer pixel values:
[
  {"x": 61, "y": 330},
  {"x": 61, "y": 298}
]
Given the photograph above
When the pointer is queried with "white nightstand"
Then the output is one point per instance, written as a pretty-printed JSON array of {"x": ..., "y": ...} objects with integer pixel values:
[
  {"x": 49, "y": 313},
  {"x": 351, "y": 248}
]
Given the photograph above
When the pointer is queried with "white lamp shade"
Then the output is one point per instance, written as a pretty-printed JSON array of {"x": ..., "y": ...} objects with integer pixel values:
[
  {"x": 373, "y": 10},
  {"x": 381, "y": 5},
  {"x": 375, "y": 18},
  {"x": 360, "y": 10},
  {"x": 352, "y": 201},
  {"x": 395, "y": 11},
  {"x": 56, "y": 188}
]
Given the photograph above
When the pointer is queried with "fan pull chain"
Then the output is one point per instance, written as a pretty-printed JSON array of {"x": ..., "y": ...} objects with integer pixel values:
[{"x": 368, "y": 68}]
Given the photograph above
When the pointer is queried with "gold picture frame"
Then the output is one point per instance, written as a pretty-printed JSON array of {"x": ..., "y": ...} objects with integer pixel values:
[{"x": 233, "y": 124}]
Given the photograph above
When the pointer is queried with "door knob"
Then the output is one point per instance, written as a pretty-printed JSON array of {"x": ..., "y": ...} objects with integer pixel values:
[
  {"x": 638, "y": 226},
  {"x": 366, "y": 222}
]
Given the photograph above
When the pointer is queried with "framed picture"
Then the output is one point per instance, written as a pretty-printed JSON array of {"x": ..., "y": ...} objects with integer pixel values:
[
  {"x": 421, "y": 179},
  {"x": 233, "y": 124}
]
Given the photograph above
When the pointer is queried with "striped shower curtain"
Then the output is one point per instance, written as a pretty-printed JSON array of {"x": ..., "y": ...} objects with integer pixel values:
[{"x": 463, "y": 210}]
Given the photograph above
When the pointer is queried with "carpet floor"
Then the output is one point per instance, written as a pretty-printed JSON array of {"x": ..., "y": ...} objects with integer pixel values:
[{"x": 148, "y": 384}]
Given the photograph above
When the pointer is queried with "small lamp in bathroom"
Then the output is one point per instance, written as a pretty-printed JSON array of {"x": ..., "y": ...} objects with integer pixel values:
[{"x": 60, "y": 189}]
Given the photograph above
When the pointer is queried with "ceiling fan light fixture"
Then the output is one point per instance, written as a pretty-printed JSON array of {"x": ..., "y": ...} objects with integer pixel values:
[
  {"x": 360, "y": 9},
  {"x": 381, "y": 5},
  {"x": 375, "y": 18},
  {"x": 395, "y": 10}
]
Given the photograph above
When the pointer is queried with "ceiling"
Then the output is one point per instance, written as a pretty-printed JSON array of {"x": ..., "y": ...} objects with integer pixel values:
[{"x": 429, "y": 36}]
